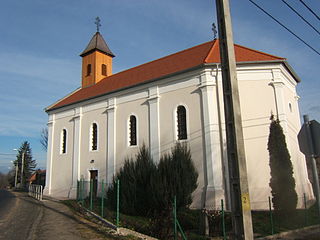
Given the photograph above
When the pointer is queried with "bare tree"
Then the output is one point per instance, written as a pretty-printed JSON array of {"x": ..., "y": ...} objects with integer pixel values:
[{"x": 44, "y": 138}]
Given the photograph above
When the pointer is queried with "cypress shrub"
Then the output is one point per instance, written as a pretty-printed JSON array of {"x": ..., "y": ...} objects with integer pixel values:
[{"x": 282, "y": 183}]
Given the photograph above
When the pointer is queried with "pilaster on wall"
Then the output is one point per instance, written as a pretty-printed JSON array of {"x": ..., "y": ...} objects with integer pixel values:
[
  {"x": 51, "y": 123},
  {"x": 76, "y": 151},
  {"x": 213, "y": 169},
  {"x": 154, "y": 126},
  {"x": 111, "y": 139},
  {"x": 278, "y": 86}
]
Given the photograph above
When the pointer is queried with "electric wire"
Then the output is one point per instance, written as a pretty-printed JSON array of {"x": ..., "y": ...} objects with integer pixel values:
[
  {"x": 310, "y": 9},
  {"x": 277, "y": 21},
  {"x": 306, "y": 21}
]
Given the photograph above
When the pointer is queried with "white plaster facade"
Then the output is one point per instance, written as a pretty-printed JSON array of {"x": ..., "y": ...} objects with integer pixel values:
[{"x": 265, "y": 88}]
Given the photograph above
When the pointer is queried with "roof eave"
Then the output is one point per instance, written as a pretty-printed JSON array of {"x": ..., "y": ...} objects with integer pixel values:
[
  {"x": 287, "y": 65},
  {"x": 124, "y": 88},
  {"x": 96, "y": 49},
  {"x": 49, "y": 108}
]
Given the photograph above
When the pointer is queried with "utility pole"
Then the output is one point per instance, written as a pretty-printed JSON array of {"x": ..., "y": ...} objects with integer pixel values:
[
  {"x": 22, "y": 166},
  {"x": 239, "y": 190},
  {"x": 16, "y": 176}
]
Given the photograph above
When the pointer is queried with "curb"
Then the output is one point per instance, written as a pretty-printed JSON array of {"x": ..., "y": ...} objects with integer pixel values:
[
  {"x": 104, "y": 221},
  {"x": 120, "y": 230},
  {"x": 305, "y": 230}
]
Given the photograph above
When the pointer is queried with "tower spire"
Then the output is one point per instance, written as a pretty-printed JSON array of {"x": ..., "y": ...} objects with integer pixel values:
[{"x": 97, "y": 22}]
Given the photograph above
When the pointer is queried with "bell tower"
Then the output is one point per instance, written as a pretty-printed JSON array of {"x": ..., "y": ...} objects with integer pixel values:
[{"x": 96, "y": 60}]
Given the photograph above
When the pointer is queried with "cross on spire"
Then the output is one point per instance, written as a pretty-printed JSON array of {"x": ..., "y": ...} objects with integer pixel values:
[
  {"x": 214, "y": 29},
  {"x": 97, "y": 22}
]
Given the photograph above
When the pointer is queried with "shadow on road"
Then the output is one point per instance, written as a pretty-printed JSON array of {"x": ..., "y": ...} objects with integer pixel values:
[{"x": 66, "y": 213}]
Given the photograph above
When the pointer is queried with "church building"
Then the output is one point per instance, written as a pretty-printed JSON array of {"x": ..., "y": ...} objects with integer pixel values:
[{"x": 177, "y": 98}]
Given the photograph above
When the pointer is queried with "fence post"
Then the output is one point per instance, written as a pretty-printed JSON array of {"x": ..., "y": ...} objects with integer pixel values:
[
  {"x": 102, "y": 198},
  {"x": 118, "y": 201},
  {"x": 41, "y": 192},
  {"x": 82, "y": 192},
  {"x": 91, "y": 194},
  {"x": 223, "y": 223},
  {"x": 305, "y": 210},
  {"x": 271, "y": 218},
  {"x": 79, "y": 190},
  {"x": 175, "y": 217}
]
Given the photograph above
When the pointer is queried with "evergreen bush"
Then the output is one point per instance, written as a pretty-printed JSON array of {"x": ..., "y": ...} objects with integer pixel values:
[
  {"x": 148, "y": 189},
  {"x": 282, "y": 183},
  {"x": 135, "y": 190}
]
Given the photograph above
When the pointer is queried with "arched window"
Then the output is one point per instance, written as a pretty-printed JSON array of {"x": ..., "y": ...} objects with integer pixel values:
[
  {"x": 104, "y": 70},
  {"x": 63, "y": 148},
  {"x": 133, "y": 130},
  {"x": 182, "y": 122},
  {"x": 94, "y": 137},
  {"x": 88, "y": 69}
]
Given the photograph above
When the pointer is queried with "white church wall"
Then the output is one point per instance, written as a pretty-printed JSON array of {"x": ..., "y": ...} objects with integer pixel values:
[
  {"x": 62, "y": 162},
  {"x": 127, "y": 107},
  {"x": 303, "y": 185},
  {"x": 257, "y": 104},
  {"x": 258, "y": 96},
  {"x": 169, "y": 101},
  {"x": 93, "y": 159}
]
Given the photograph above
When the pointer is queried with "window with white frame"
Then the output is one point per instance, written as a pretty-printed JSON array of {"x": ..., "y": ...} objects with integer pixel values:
[
  {"x": 133, "y": 130},
  {"x": 63, "y": 144},
  {"x": 94, "y": 137},
  {"x": 181, "y": 122}
]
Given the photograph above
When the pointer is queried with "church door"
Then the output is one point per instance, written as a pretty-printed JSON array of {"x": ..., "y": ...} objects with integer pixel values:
[{"x": 94, "y": 179}]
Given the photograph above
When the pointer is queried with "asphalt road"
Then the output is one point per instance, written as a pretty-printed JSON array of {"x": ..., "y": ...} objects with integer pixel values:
[
  {"x": 17, "y": 215},
  {"x": 24, "y": 218}
]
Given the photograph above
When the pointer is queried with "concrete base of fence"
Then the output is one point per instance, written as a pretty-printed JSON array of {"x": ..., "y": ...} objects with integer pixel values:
[
  {"x": 104, "y": 221},
  {"x": 126, "y": 232},
  {"x": 120, "y": 230},
  {"x": 295, "y": 234}
]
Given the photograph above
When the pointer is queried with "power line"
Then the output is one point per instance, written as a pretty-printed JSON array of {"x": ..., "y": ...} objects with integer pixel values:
[
  {"x": 306, "y": 21},
  {"x": 277, "y": 21},
  {"x": 310, "y": 9}
]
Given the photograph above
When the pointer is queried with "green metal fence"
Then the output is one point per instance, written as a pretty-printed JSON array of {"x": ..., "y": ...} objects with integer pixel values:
[{"x": 92, "y": 196}]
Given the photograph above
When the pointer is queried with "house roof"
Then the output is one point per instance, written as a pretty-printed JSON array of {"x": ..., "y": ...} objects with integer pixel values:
[
  {"x": 97, "y": 43},
  {"x": 199, "y": 55}
]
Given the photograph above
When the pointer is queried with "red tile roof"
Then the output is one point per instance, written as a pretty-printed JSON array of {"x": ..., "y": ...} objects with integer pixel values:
[{"x": 193, "y": 57}]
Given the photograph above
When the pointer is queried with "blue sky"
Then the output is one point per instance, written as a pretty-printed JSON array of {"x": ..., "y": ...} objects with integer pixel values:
[{"x": 41, "y": 41}]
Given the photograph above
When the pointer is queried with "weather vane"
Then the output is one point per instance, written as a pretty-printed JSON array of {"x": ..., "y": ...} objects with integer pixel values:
[
  {"x": 214, "y": 29},
  {"x": 97, "y": 22}
]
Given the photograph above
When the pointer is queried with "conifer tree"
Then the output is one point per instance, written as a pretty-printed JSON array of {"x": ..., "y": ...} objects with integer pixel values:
[
  {"x": 29, "y": 164},
  {"x": 282, "y": 183},
  {"x": 177, "y": 177},
  {"x": 135, "y": 177}
]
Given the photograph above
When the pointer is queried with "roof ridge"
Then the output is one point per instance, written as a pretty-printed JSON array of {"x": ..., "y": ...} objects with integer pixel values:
[
  {"x": 211, "y": 50},
  {"x": 176, "y": 62},
  {"x": 155, "y": 60},
  {"x": 257, "y": 51}
]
